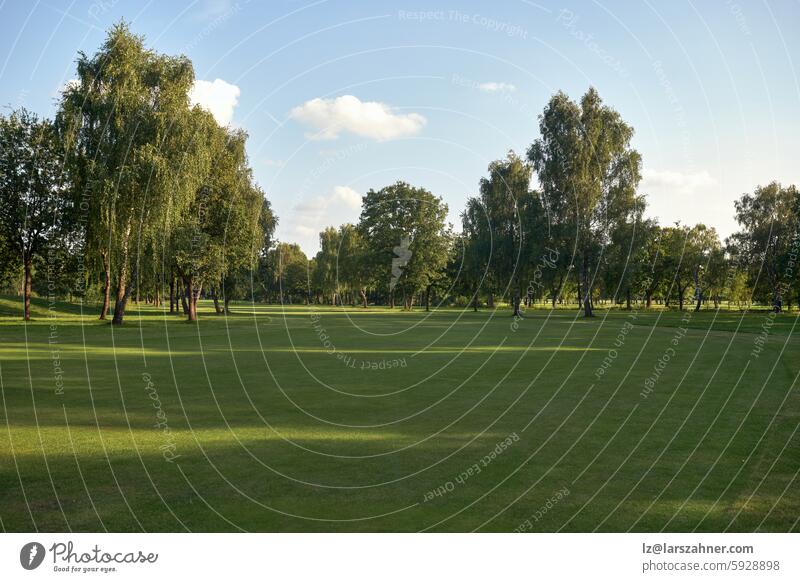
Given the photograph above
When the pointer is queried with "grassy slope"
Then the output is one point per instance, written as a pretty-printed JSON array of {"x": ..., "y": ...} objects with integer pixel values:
[{"x": 274, "y": 433}]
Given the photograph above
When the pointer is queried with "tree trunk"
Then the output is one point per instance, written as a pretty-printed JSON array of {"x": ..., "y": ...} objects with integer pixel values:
[
  {"x": 363, "y": 294},
  {"x": 226, "y": 305},
  {"x": 191, "y": 298},
  {"x": 217, "y": 307},
  {"x": 26, "y": 289},
  {"x": 123, "y": 288},
  {"x": 391, "y": 299},
  {"x": 428, "y": 298},
  {"x": 698, "y": 294},
  {"x": 587, "y": 293},
  {"x": 121, "y": 299},
  {"x": 649, "y": 298},
  {"x": 628, "y": 298},
  {"x": 106, "y": 287},
  {"x": 173, "y": 302},
  {"x": 515, "y": 301},
  {"x": 475, "y": 301},
  {"x": 184, "y": 303},
  {"x": 490, "y": 300}
]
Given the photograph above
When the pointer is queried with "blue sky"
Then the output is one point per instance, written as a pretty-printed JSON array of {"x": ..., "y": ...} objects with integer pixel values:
[{"x": 339, "y": 97}]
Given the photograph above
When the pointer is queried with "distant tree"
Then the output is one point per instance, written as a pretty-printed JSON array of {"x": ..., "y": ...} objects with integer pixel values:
[
  {"x": 406, "y": 238},
  {"x": 768, "y": 219},
  {"x": 286, "y": 271},
  {"x": 687, "y": 255},
  {"x": 238, "y": 282},
  {"x": 626, "y": 256},
  {"x": 33, "y": 196},
  {"x": 353, "y": 262},
  {"x": 678, "y": 265},
  {"x": 471, "y": 267},
  {"x": 585, "y": 163},
  {"x": 326, "y": 264},
  {"x": 653, "y": 270},
  {"x": 500, "y": 226},
  {"x": 717, "y": 275},
  {"x": 706, "y": 253}
]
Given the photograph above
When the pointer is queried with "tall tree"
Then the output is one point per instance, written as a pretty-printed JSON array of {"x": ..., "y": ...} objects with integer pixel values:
[
  {"x": 287, "y": 273},
  {"x": 326, "y": 267},
  {"x": 353, "y": 265},
  {"x": 585, "y": 163},
  {"x": 126, "y": 118},
  {"x": 221, "y": 230},
  {"x": 237, "y": 283},
  {"x": 706, "y": 254},
  {"x": 404, "y": 229},
  {"x": 471, "y": 268},
  {"x": 33, "y": 200},
  {"x": 768, "y": 221},
  {"x": 499, "y": 214},
  {"x": 627, "y": 257}
]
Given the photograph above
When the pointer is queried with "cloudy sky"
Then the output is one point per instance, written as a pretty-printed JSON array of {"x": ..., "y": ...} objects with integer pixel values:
[{"x": 339, "y": 97}]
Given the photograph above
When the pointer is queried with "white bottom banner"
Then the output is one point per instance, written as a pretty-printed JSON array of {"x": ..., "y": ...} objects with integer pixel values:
[{"x": 400, "y": 557}]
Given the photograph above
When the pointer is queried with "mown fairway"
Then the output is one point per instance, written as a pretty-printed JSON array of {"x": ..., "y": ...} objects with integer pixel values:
[{"x": 261, "y": 428}]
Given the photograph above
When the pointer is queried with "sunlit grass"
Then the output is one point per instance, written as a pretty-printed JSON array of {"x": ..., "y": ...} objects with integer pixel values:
[{"x": 126, "y": 427}]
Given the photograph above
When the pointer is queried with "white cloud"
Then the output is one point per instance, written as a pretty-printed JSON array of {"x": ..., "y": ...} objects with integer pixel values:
[
  {"x": 320, "y": 206},
  {"x": 346, "y": 196},
  {"x": 275, "y": 163},
  {"x": 493, "y": 87},
  {"x": 308, "y": 219},
  {"x": 677, "y": 182},
  {"x": 219, "y": 98},
  {"x": 370, "y": 119}
]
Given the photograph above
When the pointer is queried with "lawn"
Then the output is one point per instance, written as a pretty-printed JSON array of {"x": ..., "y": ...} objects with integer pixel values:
[{"x": 309, "y": 418}]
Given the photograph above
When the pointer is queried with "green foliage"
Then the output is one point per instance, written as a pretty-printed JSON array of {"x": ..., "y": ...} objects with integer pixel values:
[
  {"x": 285, "y": 273},
  {"x": 34, "y": 206},
  {"x": 589, "y": 174},
  {"x": 500, "y": 225},
  {"x": 406, "y": 238},
  {"x": 133, "y": 186},
  {"x": 769, "y": 221}
]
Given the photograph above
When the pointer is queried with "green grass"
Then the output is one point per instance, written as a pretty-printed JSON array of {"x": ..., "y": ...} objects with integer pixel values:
[{"x": 271, "y": 432}]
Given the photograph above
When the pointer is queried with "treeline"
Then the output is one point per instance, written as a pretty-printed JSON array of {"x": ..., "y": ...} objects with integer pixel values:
[
  {"x": 131, "y": 194},
  {"x": 129, "y": 191},
  {"x": 581, "y": 238}
]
